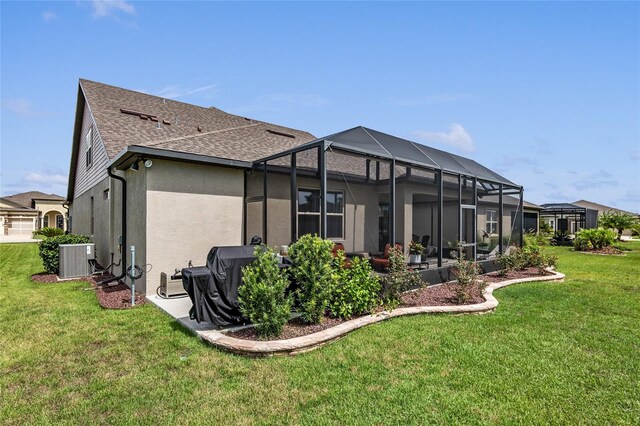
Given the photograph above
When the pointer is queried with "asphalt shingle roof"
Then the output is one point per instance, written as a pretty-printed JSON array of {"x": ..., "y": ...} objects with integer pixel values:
[
  {"x": 24, "y": 199},
  {"x": 152, "y": 121}
]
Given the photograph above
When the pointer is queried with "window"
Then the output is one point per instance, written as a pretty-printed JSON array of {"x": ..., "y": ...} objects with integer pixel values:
[
  {"x": 59, "y": 221},
  {"x": 89, "y": 147},
  {"x": 309, "y": 213},
  {"x": 105, "y": 194},
  {"x": 91, "y": 224},
  {"x": 492, "y": 222},
  {"x": 45, "y": 221}
]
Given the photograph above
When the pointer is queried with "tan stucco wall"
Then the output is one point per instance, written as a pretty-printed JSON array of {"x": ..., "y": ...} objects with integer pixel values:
[
  {"x": 51, "y": 209},
  {"x": 189, "y": 209},
  {"x": 360, "y": 217}
]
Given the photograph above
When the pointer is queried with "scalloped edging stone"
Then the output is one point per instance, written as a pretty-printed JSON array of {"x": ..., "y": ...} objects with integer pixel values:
[{"x": 309, "y": 342}]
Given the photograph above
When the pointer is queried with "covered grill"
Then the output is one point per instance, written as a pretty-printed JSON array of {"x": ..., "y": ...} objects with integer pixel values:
[{"x": 213, "y": 289}]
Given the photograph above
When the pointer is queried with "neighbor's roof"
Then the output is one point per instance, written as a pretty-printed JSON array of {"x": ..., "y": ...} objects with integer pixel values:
[
  {"x": 25, "y": 199},
  {"x": 599, "y": 207},
  {"x": 125, "y": 117},
  {"x": 368, "y": 141}
]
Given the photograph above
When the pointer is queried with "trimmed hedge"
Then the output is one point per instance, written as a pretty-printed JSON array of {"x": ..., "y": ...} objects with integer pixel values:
[{"x": 48, "y": 249}]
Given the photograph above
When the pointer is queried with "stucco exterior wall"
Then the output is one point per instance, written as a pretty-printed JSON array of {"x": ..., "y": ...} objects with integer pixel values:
[
  {"x": 51, "y": 209},
  {"x": 360, "y": 215},
  {"x": 189, "y": 209}
]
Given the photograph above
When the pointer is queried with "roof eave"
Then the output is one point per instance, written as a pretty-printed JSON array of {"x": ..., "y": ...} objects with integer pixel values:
[{"x": 123, "y": 159}]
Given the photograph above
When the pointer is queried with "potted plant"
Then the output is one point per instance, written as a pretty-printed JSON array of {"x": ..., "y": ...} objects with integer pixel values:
[
  {"x": 415, "y": 252},
  {"x": 451, "y": 249}
]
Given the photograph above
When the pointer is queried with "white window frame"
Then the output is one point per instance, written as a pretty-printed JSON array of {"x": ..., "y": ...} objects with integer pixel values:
[
  {"x": 298, "y": 212},
  {"x": 45, "y": 220},
  {"x": 89, "y": 147},
  {"x": 491, "y": 226}
]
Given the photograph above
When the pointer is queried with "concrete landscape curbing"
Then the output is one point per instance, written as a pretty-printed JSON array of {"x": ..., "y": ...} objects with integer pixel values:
[{"x": 313, "y": 341}]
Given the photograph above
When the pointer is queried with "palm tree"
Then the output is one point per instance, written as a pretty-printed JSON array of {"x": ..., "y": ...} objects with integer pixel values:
[{"x": 618, "y": 221}]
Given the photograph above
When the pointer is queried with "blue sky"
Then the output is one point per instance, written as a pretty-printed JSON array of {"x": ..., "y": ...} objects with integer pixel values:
[{"x": 548, "y": 94}]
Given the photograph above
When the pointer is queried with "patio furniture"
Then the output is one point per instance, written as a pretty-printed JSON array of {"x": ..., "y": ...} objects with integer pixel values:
[
  {"x": 381, "y": 263},
  {"x": 213, "y": 289}
]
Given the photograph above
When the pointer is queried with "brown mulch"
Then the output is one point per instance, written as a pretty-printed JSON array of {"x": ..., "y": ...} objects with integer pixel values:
[
  {"x": 606, "y": 250},
  {"x": 437, "y": 295},
  {"x": 44, "y": 278},
  {"x": 493, "y": 277},
  {"x": 110, "y": 296},
  {"x": 294, "y": 328},
  {"x": 117, "y": 296},
  {"x": 440, "y": 295}
]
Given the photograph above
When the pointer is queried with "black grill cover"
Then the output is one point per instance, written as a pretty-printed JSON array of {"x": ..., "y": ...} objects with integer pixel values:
[{"x": 214, "y": 289}]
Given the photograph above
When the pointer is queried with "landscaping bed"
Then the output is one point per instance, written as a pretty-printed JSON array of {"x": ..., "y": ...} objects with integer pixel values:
[
  {"x": 495, "y": 277},
  {"x": 610, "y": 250},
  {"x": 111, "y": 296},
  {"x": 436, "y": 295}
]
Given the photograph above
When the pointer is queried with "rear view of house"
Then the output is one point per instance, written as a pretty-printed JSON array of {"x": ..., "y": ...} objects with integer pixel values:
[{"x": 174, "y": 180}]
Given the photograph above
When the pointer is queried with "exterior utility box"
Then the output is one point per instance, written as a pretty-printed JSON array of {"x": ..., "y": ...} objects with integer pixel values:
[
  {"x": 74, "y": 260},
  {"x": 171, "y": 286}
]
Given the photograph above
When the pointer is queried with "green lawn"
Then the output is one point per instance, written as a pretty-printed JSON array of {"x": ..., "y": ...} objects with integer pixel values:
[{"x": 559, "y": 353}]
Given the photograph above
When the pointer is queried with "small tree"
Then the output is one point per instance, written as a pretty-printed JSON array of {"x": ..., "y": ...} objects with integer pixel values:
[
  {"x": 399, "y": 278},
  {"x": 618, "y": 221},
  {"x": 311, "y": 256},
  {"x": 355, "y": 289},
  {"x": 262, "y": 298},
  {"x": 466, "y": 272}
]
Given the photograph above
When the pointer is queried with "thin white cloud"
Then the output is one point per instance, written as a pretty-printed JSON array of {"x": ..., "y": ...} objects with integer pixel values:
[
  {"x": 103, "y": 8},
  {"x": 49, "y": 181},
  {"x": 49, "y": 16},
  {"x": 457, "y": 137},
  {"x": 46, "y": 178},
  {"x": 20, "y": 106},
  {"x": 596, "y": 180},
  {"x": 177, "y": 91},
  {"x": 440, "y": 98}
]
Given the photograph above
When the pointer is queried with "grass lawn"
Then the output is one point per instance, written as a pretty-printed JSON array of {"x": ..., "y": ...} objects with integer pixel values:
[{"x": 552, "y": 353}]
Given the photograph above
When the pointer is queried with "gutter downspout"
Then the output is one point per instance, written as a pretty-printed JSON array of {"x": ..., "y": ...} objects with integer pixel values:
[{"x": 124, "y": 228}]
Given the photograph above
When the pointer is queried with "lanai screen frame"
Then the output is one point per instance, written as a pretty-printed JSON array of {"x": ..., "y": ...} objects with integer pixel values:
[{"x": 490, "y": 187}]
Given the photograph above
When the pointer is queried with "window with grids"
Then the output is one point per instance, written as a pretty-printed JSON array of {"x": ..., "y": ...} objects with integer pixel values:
[
  {"x": 492, "y": 222},
  {"x": 89, "y": 147},
  {"x": 309, "y": 213}
]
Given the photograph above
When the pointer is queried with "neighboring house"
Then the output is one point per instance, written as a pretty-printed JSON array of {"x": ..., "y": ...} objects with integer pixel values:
[
  {"x": 22, "y": 214},
  {"x": 582, "y": 214},
  {"x": 174, "y": 180},
  {"x": 600, "y": 208}
]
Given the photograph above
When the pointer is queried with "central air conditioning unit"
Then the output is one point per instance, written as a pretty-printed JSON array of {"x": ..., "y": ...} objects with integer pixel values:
[
  {"x": 74, "y": 260},
  {"x": 171, "y": 286}
]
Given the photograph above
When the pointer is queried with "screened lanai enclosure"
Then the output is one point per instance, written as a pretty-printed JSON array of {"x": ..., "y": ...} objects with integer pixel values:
[{"x": 366, "y": 189}]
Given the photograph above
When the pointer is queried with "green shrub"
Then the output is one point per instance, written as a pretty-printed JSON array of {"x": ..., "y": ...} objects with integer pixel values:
[
  {"x": 262, "y": 298},
  {"x": 618, "y": 221},
  {"x": 466, "y": 273},
  {"x": 398, "y": 279},
  {"x": 49, "y": 252},
  {"x": 594, "y": 239},
  {"x": 48, "y": 232},
  {"x": 311, "y": 256},
  {"x": 527, "y": 257},
  {"x": 355, "y": 290}
]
